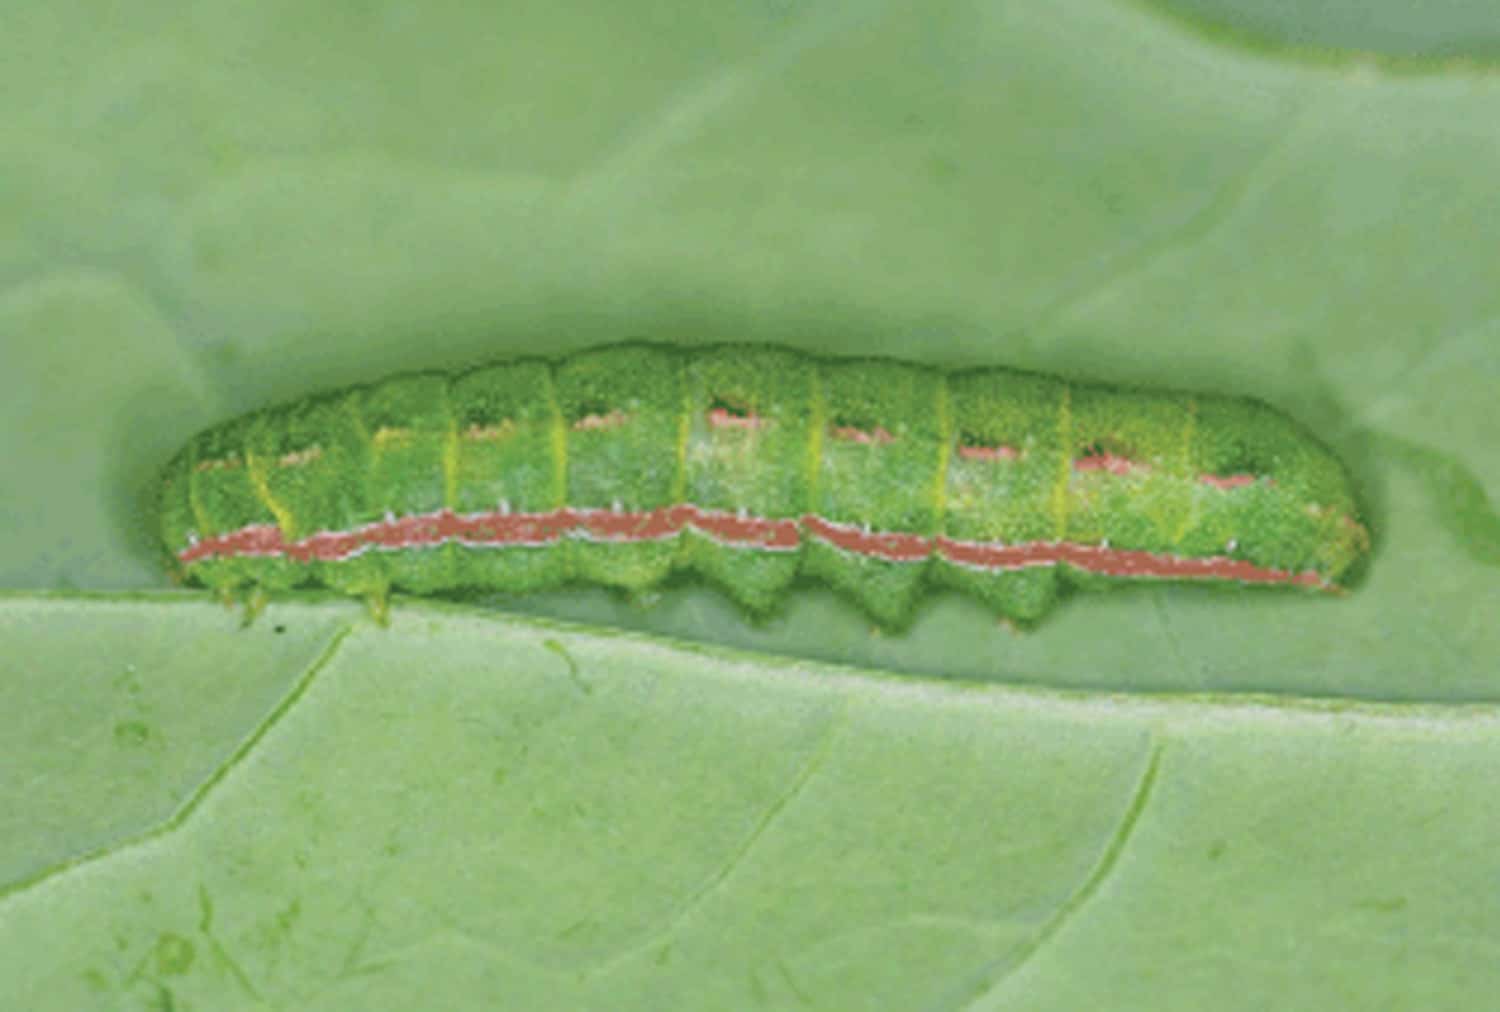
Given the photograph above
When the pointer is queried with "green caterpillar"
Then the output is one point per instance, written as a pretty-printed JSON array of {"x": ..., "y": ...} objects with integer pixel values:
[{"x": 752, "y": 465}]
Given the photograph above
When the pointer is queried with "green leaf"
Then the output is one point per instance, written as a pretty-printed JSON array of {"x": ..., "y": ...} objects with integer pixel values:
[
  {"x": 468, "y": 811},
  {"x": 1161, "y": 798},
  {"x": 1409, "y": 36}
]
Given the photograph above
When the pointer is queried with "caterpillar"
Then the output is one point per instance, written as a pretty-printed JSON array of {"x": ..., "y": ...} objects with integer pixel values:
[{"x": 753, "y": 465}]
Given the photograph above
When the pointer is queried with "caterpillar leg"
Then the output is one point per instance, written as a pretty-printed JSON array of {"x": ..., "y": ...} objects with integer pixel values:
[
  {"x": 253, "y": 601},
  {"x": 255, "y": 604},
  {"x": 378, "y": 603},
  {"x": 366, "y": 578}
]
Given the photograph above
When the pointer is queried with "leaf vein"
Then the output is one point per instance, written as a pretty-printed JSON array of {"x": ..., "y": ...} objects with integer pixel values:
[
  {"x": 199, "y": 794},
  {"x": 1103, "y": 868},
  {"x": 737, "y": 857}
]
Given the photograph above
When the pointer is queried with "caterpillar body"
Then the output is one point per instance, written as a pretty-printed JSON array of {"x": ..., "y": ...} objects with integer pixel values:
[{"x": 752, "y": 465}]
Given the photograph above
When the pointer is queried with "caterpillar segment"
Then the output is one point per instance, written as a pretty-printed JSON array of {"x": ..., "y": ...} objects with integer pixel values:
[{"x": 754, "y": 465}]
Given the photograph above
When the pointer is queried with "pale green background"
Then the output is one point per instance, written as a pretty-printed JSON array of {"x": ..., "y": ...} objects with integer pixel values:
[{"x": 206, "y": 208}]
